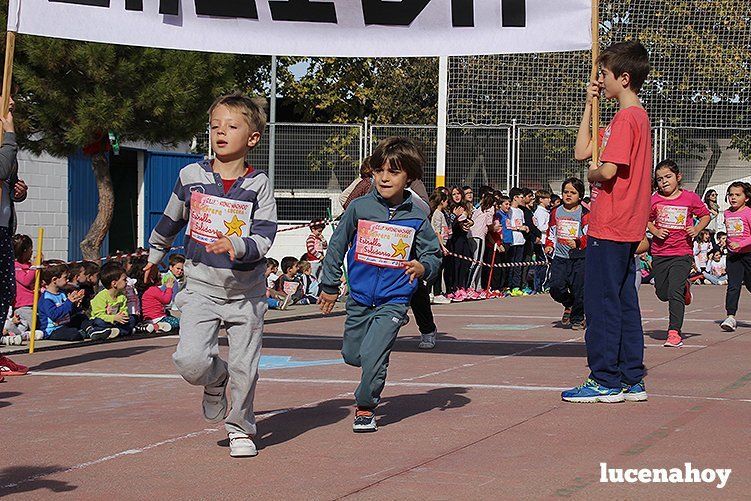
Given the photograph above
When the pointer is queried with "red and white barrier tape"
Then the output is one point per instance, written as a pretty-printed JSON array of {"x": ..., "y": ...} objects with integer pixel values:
[{"x": 499, "y": 265}]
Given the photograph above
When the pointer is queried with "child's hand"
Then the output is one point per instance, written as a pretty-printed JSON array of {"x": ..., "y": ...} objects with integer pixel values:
[
  {"x": 120, "y": 318},
  {"x": 16, "y": 319},
  {"x": 571, "y": 244},
  {"x": 662, "y": 233},
  {"x": 549, "y": 251},
  {"x": 7, "y": 120},
  {"x": 109, "y": 309},
  {"x": 414, "y": 269},
  {"x": 734, "y": 245},
  {"x": 692, "y": 231},
  {"x": 444, "y": 250},
  {"x": 221, "y": 246},
  {"x": 525, "y": 229},
  {"x": 327, "y": 302},
  {"x": 170, "y": 282},
  {"x": 593, "y": 90}
]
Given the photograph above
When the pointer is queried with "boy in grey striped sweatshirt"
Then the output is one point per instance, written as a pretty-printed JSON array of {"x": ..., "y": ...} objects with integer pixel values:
[{"x": 224, "y": 267}]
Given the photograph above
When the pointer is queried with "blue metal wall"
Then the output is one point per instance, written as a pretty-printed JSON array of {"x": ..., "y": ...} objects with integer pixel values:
[
  {"x": 82, "y": 203},
  {"x": 160, "y": 174}
]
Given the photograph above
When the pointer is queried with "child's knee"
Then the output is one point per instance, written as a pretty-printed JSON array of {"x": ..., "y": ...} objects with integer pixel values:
[
  {"x": 350, "y": 357},
  {"x": 192, "y": 366}
]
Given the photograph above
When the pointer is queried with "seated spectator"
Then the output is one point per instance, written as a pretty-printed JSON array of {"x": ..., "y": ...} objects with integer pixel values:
[
  {"x": 60, "y": 317},
  {"x": 155, "y": 301},
  {"x": 289, "y": 283},
  {"x": 20, "y": 314},
  {"x": 716, "y": 273},
  {"x": 276, "y": 300},
  {"x": 309, "y": 283},
  {"x": 109, "y": 308}
]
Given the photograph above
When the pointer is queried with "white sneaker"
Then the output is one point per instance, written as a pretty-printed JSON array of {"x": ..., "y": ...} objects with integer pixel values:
[
  {"x": 241, "y": 445},
  {"x": 38, "y": 335},
  {"x": 114, "y": 332},
  {"x": 12, "y": 340},
  {"x": 441, "y": 300},
  {"x": 164, "y": 326},
  {"x": 729, "y": 324},
  {"x": 427, "y": 341}
]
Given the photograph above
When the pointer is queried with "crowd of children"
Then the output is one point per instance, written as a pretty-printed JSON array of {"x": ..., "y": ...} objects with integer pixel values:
[{"x": 83, "y": 300}]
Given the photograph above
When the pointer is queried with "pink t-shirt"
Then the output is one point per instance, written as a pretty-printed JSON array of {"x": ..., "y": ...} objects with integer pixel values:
[
  {"x": 25, "y": 278},
  {"x": 155, "y": 301},
  {"x": 675, "y": 215},
  {"x": 481, "y": 219},
  {"x": 738, "y": 226},
  {"x": 620, "y": 206}
]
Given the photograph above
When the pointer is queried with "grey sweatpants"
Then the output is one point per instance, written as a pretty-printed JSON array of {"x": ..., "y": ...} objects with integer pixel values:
[
  {"x": 197, "y": 355},
  {"x": 369, "y": 335}
]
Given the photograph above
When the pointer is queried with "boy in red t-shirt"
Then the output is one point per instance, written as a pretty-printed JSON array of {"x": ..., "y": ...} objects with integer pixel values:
[{"x": 621, "y": 187}]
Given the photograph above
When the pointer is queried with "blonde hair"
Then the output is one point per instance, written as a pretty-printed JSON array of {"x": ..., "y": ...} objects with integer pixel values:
[
  {"x": 303, "y": 266},
  {"x": 253, "y": 109}
]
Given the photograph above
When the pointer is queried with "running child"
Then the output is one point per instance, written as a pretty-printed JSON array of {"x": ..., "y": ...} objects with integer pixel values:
[
  {"x": 738, "y": 225},
  {"x": 671, "y": 222},
  {"x": 566, "y": 241},
  {"x": 380, "y": 295},
  {"x": 620, "y": 195},
  {"x": 225, "y": 279}
]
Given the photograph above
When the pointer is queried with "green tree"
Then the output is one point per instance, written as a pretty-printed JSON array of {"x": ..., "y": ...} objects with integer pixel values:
[{"x": 72, "y": 94}]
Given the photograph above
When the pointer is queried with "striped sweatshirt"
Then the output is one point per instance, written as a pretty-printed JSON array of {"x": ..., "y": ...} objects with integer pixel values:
[{"x": 216, "y": 275}]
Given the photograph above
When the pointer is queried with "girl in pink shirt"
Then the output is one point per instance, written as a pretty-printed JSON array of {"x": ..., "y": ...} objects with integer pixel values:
[
  {"x": 671, "y": 221},
  {"x": 155, "y": 300},
  {"x": 738, "y": 224}
]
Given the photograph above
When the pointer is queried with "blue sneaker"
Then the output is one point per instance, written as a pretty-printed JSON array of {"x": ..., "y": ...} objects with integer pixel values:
[
  {"x": 590, "y": 392},
  {"x": 635, "y": 392}
]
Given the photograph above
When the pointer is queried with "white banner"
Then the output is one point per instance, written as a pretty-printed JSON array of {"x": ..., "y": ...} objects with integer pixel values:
[{"x": 372, "y": 28}]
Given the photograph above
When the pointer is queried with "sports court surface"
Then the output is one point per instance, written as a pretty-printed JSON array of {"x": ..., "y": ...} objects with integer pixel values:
[{"x": 479, "y": 417}]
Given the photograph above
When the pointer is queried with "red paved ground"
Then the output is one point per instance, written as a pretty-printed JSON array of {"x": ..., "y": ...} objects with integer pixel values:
[{"x": 477, "y": 418}]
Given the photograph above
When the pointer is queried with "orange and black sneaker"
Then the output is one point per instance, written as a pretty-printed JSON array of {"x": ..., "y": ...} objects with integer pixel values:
[{"x": 365, "y": 421}]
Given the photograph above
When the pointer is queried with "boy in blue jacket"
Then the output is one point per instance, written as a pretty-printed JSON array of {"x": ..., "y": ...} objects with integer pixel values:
[{"x": 391, "y": 246}]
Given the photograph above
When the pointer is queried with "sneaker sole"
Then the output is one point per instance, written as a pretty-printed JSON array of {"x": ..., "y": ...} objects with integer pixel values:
[
  {"x": 364, "y": 429},
  {"x": 672, "y": 345},
  {"x": 606, "y": 399},
  {"x": 424, "y": 346},
  {"x": 727, "y": 328},
  {"x": 244, "y": 453},
  {"x": 636, "y": 397}
]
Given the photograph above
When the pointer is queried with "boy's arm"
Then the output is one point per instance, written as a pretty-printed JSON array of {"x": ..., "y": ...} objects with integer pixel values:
[
  {"x": 584, "y": 145},
  {"x": 8, "y": 153},
  {"x": 332, "y": 264},
  {"x": 584, "y": 230},
  {"x": 552, "y": 232},
  {"x": 617, "y": 152},
  {"x": 175, "y": 218},
  {"x": 428, "y": 251},
  {"x": 99, "y": 309},
  {"x": 262, "y": 229}
]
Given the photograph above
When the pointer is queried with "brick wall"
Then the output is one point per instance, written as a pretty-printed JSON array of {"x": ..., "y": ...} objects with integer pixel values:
[{"x": 47, "y": 202}]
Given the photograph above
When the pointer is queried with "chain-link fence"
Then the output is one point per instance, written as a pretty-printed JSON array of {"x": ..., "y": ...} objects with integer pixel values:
[{"x": 313, "y": 163}]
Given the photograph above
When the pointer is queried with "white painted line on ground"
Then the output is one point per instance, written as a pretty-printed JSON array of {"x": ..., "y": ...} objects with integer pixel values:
[
  {"x": 400, "y": 383},
  {"x": 542, "y": 317},
  {"x": 131, "y": 452}
]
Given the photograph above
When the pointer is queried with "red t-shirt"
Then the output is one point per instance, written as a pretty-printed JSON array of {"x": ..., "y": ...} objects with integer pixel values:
[
  {"x": 229, "y": 182},
  {"x": 675, "y": 215},
  {"x": 620, "y": 206}
]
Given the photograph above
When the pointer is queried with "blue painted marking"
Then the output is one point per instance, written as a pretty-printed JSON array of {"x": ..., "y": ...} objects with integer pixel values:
[{"x": 279, "y": 362}]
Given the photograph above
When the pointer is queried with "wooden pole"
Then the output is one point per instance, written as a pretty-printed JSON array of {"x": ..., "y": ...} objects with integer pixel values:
[
  {"x": 10, "y": 49},
  {"x": 596, "y": 100},
  {"x": 37, "y": 263}
]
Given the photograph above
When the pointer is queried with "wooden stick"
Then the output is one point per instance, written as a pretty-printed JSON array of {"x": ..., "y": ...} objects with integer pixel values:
[
  {"x": 596, "y": 100},
  {"x": 37, "y": 278},
  {"x": 10, "y": 49}
]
